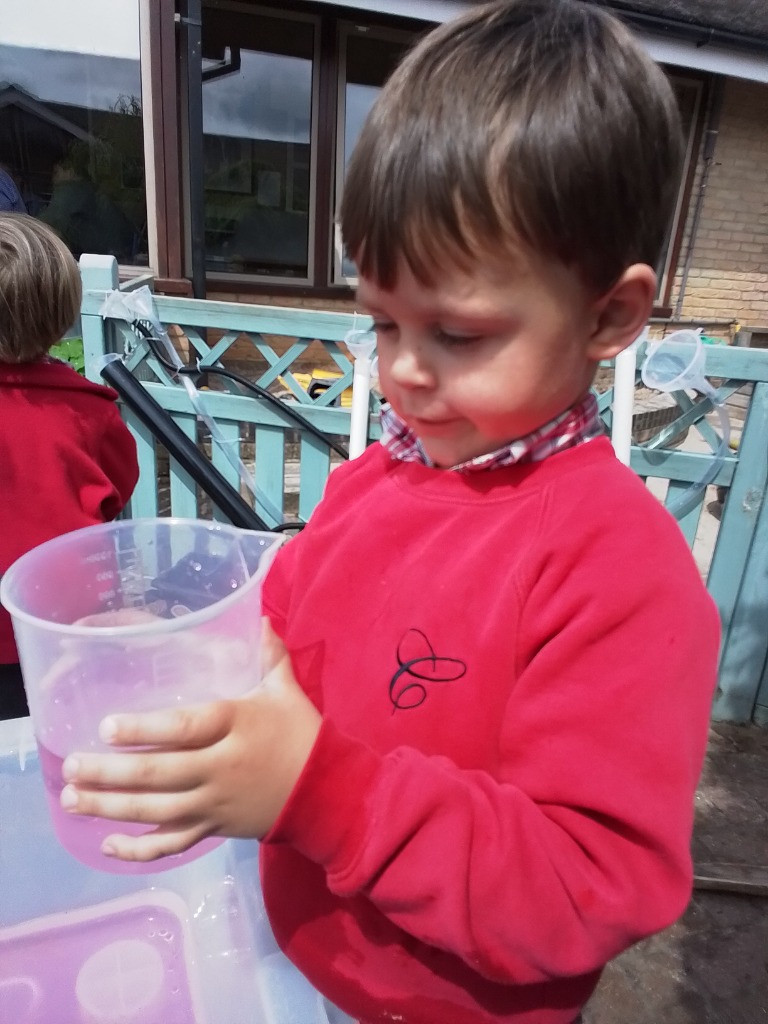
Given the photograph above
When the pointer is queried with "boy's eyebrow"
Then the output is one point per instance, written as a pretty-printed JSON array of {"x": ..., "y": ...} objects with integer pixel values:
[{"x": 362, "y": 300}]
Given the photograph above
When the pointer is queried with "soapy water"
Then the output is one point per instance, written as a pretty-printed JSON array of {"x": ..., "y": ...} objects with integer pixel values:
[{"x": 126, "y": 961}]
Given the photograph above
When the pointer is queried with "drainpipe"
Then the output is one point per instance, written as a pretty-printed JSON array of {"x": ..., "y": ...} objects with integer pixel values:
[
  {"x": 191, "y": 49},
  {"x": 708, "y": 154}
]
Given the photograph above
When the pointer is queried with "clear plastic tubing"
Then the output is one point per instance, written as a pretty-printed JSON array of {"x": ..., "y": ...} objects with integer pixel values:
[{"x": 676, "y": 363}]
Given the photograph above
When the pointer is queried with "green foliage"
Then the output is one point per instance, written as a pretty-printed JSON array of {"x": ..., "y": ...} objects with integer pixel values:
[{"x": 70, "y": 350}]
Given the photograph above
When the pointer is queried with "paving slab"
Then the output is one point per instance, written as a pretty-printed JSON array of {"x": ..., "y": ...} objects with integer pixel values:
[{"x": 712, "y": 966}]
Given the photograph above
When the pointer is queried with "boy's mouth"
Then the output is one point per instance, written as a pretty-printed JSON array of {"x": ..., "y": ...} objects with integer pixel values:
[{"x": 430, "y": 425}]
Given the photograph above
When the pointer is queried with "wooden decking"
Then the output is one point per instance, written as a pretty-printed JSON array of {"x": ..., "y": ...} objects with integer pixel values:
[{"x": 712, "y": 966}]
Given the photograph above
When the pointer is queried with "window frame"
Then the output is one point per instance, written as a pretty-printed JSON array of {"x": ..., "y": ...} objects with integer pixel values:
[
  {"x": 159, "y": 84},
  {"x": 702, "y": 84},
  {"x": 332, "y": 30},
  {"x": 222, "y": 280},
  {"x": 344, "y": 29},
  {"x": 147, "y": 45}
]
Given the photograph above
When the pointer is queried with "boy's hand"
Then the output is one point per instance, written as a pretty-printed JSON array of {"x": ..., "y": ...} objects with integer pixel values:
[{"x": 223, "y": 769}]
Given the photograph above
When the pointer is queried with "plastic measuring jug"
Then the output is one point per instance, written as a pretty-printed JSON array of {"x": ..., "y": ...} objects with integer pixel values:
[
  {"x": 676, "y": 363},
  {"x": 132, "y": 616}
]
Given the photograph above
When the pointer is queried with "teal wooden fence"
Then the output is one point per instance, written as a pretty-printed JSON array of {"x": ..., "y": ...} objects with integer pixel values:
[
  {"x": 270, "y": 344},
  {"x": 274, "y": 345}
]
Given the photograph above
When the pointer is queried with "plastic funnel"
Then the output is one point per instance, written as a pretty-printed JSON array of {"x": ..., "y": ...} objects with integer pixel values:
[{"x": 676, "y": 363}]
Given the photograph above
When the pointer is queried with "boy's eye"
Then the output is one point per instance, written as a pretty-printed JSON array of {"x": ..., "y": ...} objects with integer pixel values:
[
  {"x": 455, "y": 338},
  {"x": 383, "y": 326}
]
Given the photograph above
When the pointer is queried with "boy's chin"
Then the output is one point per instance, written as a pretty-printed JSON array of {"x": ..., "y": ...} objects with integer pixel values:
[{"x": 445, "y": 458}]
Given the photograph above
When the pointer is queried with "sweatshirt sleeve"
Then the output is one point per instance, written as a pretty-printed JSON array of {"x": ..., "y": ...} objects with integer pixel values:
[
  {"x": 579, "y": 845},
  {"x": 118, "y": 460}
]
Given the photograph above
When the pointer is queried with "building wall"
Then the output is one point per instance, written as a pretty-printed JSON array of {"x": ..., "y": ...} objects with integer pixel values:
[
  {"x": 727, "y": 276},
  {"x": 728, "y": 272}
]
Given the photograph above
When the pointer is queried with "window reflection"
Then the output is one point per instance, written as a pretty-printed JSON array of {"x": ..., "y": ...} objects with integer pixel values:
[
  {"x": 257, "y": 114},
  {"x": 368, "y": 60},
  {"x": 70, "y": 120}
]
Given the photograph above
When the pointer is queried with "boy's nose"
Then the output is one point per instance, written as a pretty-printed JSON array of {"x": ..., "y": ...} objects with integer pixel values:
[{"x": 411, "y": 366}]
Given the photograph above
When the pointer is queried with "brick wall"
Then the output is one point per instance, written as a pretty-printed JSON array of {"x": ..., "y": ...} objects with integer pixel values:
[{"x": 728, "y": 276}]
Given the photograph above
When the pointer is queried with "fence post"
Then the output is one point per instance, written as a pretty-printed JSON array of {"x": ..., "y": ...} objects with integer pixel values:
[
  {"x": 738, "y": 579},
  {"x": 97, "y": 274}
]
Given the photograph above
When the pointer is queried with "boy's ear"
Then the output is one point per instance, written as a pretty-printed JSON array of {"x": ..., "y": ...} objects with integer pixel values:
[{"x": 622, "y": 313}]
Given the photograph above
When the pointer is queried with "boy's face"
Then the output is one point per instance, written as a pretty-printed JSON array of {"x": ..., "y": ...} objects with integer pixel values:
[{"x": 481, "y": 358}]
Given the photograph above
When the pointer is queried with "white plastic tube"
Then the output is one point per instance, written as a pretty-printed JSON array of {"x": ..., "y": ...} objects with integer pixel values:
[
  {"x": 623, "y": 402},
  {"x": 139, "y": 305},
  {"x": 624, "y": 372},
  {"x": 361, "y": 345}
]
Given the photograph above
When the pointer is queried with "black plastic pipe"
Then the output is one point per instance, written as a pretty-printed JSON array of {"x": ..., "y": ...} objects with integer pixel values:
[{"x": 183, "y": 450}]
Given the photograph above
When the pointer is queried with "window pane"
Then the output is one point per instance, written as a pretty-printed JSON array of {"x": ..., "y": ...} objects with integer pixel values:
[
  {"x": 369, "y": 62},
  {"x": 257, "y": 117},
  {"x": 70, "y": 120}
]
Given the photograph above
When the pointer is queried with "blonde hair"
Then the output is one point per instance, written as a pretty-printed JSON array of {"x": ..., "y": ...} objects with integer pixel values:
[{"x": 40, "y": 288}]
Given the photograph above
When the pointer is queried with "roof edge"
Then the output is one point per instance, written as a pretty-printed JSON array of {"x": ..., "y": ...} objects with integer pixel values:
[{"x": 700, "y": 35}]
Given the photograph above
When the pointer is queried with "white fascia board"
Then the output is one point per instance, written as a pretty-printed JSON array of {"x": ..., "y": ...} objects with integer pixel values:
[
  {"x": 712, "y": 57},
  {"x": 421, "y": 10}
]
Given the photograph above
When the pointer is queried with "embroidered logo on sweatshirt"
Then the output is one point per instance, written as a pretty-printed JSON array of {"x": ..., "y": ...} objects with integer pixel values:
[{"x": 419, "y": 667}]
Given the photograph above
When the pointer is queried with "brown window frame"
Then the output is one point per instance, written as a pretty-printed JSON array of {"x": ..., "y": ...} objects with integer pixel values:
[
  {"x": 662, "y": 307},
  {"x": 167, "y": 157}
]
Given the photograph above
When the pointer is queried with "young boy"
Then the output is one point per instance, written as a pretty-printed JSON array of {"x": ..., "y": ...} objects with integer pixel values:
[
  {"x": 67, "y": 458},
  {"x": 481, "y": 788}
]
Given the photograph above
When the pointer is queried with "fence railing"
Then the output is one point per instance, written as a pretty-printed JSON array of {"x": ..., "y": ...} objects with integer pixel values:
[{"x": 278, "y": 348}]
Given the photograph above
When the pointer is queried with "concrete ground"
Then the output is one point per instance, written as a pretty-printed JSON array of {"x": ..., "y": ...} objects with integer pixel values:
[{"x": 712, "y": 966}]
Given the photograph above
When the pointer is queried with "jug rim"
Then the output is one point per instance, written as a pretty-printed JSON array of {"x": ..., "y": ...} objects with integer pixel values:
[{"x": 145, "y": 629}]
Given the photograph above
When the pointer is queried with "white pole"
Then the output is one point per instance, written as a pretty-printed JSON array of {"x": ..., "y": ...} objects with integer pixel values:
[
  {"x": 362, "y": 346},
  {"x": 623, "y": 402},
  {"x": 361, "y": 390}
]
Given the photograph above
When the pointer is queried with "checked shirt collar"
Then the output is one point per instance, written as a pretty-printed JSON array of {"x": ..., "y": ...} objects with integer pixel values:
[{"x": 579, "y": 423}]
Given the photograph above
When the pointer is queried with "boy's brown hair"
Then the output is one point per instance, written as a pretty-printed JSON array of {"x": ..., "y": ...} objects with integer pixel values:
[
  {"x": 40, "y": 288},
  {"x": 541, "y": 121}
]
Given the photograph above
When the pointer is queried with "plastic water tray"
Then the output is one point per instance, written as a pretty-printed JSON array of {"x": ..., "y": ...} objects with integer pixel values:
[{"x": 190, "y": 945}]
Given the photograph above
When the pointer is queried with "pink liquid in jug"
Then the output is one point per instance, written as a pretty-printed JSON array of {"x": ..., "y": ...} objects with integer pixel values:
[{"x": 82, "y": 836}]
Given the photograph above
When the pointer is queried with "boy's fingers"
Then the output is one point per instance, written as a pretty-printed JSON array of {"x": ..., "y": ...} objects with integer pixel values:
[
  {"x": 194, "y": 726},
  {"x": 145, "y": 808},
  {"x": 161, "y": 842},
  {"x": 166, "y": 772}
]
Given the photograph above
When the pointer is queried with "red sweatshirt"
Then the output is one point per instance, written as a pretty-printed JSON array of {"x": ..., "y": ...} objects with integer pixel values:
[
  {"x": 515, "y": 670},
  {"x": 66, "y": 457}
]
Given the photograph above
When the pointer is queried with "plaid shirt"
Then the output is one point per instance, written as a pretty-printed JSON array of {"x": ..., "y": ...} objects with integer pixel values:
[{"x": 579, "y": 423}]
